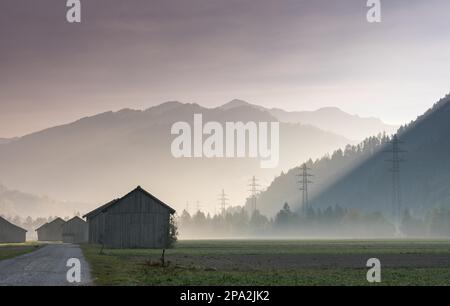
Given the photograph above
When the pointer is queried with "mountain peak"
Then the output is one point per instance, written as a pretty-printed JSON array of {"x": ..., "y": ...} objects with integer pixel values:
[
  {"x": 235, "y": 103},
  {"x": 330, "y": 109},
  {"x": 169, "y": 105}
]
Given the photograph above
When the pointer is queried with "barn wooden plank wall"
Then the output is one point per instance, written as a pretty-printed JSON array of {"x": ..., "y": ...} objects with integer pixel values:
[
  {"x": 75, "y": 231},
  {"x": 51, "y": 231},
  {"x": 138, "y": 220}
]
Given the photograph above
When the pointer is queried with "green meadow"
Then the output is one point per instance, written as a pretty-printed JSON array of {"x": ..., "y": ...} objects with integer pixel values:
[
  {"x": 274, "y": 263},
  {"x": 10, "y": 250}
]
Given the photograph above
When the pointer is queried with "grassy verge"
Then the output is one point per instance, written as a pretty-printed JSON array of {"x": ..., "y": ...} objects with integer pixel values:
[
  {"x": 139, "y": 267},
  {"x": 10, "y": 250}
]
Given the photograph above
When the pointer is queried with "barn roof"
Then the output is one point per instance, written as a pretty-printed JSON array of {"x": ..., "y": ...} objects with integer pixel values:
[
  {"x": 76, "y": 218},
  {"x": 59, "y": 220},
  {"x": 3, "y": 220},
  {"x": 108, "y": 205},
  {"x": 99, "y": 209}
]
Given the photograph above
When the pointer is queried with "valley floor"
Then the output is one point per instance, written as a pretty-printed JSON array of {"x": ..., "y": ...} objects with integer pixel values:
[{"x": 276, "y": 262}]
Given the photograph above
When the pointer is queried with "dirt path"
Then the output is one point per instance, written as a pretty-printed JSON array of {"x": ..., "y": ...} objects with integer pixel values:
[{"x": 44, "y": 267}]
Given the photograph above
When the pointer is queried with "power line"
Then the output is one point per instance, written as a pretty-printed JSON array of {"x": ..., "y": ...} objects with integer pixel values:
[
  {"x": 199, "y": 207},
  {"x": 223, "y": 201},
  {"x": 396, "y": 159},
  {"x": 304, "y": 182},
  {"x": 254, "y": 190}
]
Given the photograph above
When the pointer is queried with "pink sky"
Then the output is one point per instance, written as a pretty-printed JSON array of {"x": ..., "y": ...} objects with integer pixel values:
[{"x": 293, "y": 54}]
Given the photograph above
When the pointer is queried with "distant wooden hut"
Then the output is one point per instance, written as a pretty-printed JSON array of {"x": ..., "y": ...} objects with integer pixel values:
[
  {"x": 10, "y": 233},
  {"x": 137, "y": 220},
  {"x": 51, "y": 231},
  {"x": 75, "y": 231}
]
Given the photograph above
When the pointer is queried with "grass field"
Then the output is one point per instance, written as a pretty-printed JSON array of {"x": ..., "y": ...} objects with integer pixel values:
[
  {"x": 10, "y": 250},
  {"x": 257, "y": 262}
]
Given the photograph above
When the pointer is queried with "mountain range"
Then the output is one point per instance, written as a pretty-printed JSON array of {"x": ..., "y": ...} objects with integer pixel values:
[
  {"x": 330, "y": 119},
  {"x": 17, "y": 203},
  {"x": 97, "y": 158},
  {"x": 361, "y": 178}
]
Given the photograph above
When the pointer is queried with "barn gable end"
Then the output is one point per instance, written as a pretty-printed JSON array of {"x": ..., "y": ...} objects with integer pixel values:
[
  {"x": 137, "y": 220},
  {"x": 51, "y": 231},
  {"x": 11, "y": 233},
  {"x": 75, "y": 230}
]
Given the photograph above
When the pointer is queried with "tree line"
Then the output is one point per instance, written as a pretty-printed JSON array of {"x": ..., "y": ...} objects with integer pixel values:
[{"x": 332, "y": 222}]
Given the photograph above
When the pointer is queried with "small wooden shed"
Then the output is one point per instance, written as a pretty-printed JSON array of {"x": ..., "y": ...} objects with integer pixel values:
[
  {"x": 10, "y": 233},
  {"x": 51, "y": 231},
  {"x": 75, "y": 231},
  {"x": 137, "y": 220}
]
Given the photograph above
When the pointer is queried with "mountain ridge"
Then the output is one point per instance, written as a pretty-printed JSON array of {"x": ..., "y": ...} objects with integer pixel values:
[
  {"x": 98, "y": 157},
  {"x": 18, "y": 203},
  {"x": 328, "y": 118},
  {"x": 359, "y": 178},
  {"x": 359, "y": 128}
]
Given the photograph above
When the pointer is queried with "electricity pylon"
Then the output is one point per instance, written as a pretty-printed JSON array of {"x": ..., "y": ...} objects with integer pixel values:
[
  {"x": 304, "y": 182},
  {"x": 199, "y": 207},
  {"x": 396, "y": 159},
  {"x": 254, "y": 190},
  {"x": 223, "y": 201}
]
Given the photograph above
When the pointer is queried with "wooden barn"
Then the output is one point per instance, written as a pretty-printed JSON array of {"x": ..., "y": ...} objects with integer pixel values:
[
  {"x": 10, "y": 233},
  {"x": 137, "y": 220},
  {"x": 51, "y": 231},
  {"x": 75, "y": 231}
]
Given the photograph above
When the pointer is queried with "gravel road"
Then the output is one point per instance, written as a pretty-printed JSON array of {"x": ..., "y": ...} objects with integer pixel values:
[{"x": 44, "y": 267}]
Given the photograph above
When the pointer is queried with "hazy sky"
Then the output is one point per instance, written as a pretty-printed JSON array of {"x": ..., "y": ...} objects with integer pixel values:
[{"x": 294, "y": 54}]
